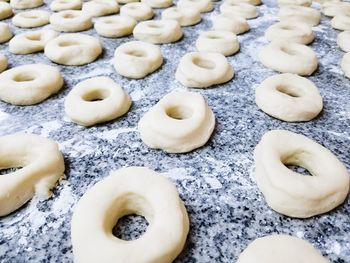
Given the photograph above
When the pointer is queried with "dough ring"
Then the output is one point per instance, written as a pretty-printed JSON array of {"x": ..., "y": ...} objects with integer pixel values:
[
  {"x": 335, "y": 8},
  {"x": 31, "y": 42},
  {"x": 101, "y": 7},
  {"x": 61, "y": 5},
  {"x": 115, "y": 26},
  {"x": 5, "y": 10},
  {"x": 180, "y": 122},
  {"x": 73, "y": 49},
  {"x": 158, "y": 3},
  {"x": 203, "y": 69},
  {"x": 251, "y": 2},
  {"x": 343, "y": 41},
  {"x": 133, "y": 190},
  {"x": 281, "y": 248},
  {"x": 29, "y": 84},
  {"x": 224, "y": 42},
  {"x": 3, "y": 63},
  {"x": 289, "y": 57},
  {"x": 70, "y": 21},
  {"x": 341, "y": 22},
  {"x": 138, "y": 11},
  {"x": 293, "y": 194},
  {"x": 202, "y": 6},
  {"x": 289, "y": 97},
  {"x": 345, "y": 64},
  {"x": 294, "y": 2},
  {"x": 232, "y": 8},
  {"x": 31, "y": 19},
  {"x": 96, "y": 100},
  {"x": 26, "y": 4},
  {"x": 137, "y": 59},
  {"x": 293, "y": 14},
  {"x": 235, "y": 24},
  {"x": 290, "y": 31},
  {"x": 158, "y": 31},
  {"x": 5, "y": 33},
  {"x": 185, "y": 16}
]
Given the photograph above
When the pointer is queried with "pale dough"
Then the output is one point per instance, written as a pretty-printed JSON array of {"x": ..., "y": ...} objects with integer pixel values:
[
  {"x": 96, "y": 100},
  {"x": 127, "y": 1},
  {"x": 42, "y": 164},
  {"x": 289, "y": 97},
  {"x": 137, "y": 59},
  {"x": 73, "y": 49},
  {"x": 234, "y": 24},
  {"x": 345, "y": 64},
  {"x": 158, "y": 31},
  {"x": 115, "y": 26},
  {"x": 26, "y": 4},
  {"x": 203, "y": 70},
  {"x": 31, "y": 19},
  {"x": 158, "y": 3},
  {"x": 201, "y": 5},
  {"x": 101, "y": 7},
  {"x": 343, "y": 41},
  {"x": 138, "y": 11},
  {"x": 132, "y": 190},
  {"x": 293, "y": 194},
  {"x": 5, "y": 33},
  {"x": 341, "y": 22},
  {"x": 3, "y": 63},
  {"x": 251, "y": 2},
  {"x": 233, "y": 8},
  {"x": 186, "y": 16},
  {"x": 31, "y": 42},
  {"x": 70, "y": 21},
  {"x": 180, "y": 122},
  {"x": 281, "y": 248},
  {"x": 29, "y": 84},
  {"x": 295, "y": 2},
  {"x": 61, "y": 5},
  {"x": 300, "y": 14},
  {"x": 336, "y": 8},
  {"x": 5, "y": 10}
]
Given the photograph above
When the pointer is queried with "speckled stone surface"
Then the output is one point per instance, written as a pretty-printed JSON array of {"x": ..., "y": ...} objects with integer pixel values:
[{"x": 226, "y": 209}]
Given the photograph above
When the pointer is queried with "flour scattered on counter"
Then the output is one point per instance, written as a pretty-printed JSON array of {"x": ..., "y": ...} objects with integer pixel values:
[
  {"x": 336, "y": 248},
  {"x": 300, "y": 234},
  {"x": 177, "y": 174},
  {"x": 136, "y": 95},
  {"x": 3, "y": 116},
  {"x": 113, "y": 134},
  {"x": 213, "y": 182},
  {"x": 50, "y": 126}
]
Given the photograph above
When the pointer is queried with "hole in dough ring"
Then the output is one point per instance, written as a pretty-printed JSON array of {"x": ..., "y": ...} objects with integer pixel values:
[
  {"x": 238, "y": 9},
  {"x": 26, "y": 4},
  {"x": 289, "y": 57},
  {"x": 290, "y": 193},
  {"x": 3, "y": 63},
  {"x": 280, "y": 248},
  {"x": 70, "y": 21},
  {"x": 158, "y": 31},
  {"x": 42, "y": 164},
  {"x": 289, "y": 97},
  {"x": 235, "y": 24},
  {"x": 202, "y": 6},
  {"x": 180, "y": 122},
  {"x": 341, "y": 22},
  {"x": 61, "y": 5},
  {"x": 294, "y": 2},
  {"x": 345, "y": 64},
  {"x": 158, "y": 3},
  {"x": 133, "y": 190},
  {"x": 203, "y": 69},
  {"x": 304, "y": 14},
  {"x": 29, "y": 84},
  {"x": 100, "y": 7},
  {"x": 115, "y": 26},
  {"x": 73, "y": 49},
  {"x": 137, "y": 59},
  {"x": 5, "y": 10},
  {"x": 343, "y": 41},
  {"x": 31, "y": 19},
  {"x": 138, "y": 11},
  {"x": 185, "y": 16},
  {"x": 96, "y": 100}
]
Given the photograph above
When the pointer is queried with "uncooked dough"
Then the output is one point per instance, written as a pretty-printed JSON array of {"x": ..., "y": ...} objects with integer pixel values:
[
  {"x": 96, "y": 100},
  {"x": 202, "y": 6},
  {"x": 343, "y": 41},
  {"x": 115, "y": 26},
  {"x": 332, "y": 9},
  {"x": 5, "y": 10},
  {"x": 251, "y": 2},
  {"x": 101, "y": 7},
  {"x": 304, "y": 14},
  {"x": 137, "y": 59},
  {"x": 289, "y": 57},
  {"x": 180, "y": 122},
  {"x": 185, "y": 16},
  {"x": 132, "y": 190},
  {"x": 345, "y": 64},
  {"x": 289, "y": 97},
  {"x": 26, "y": 4},
  {"x": 5, "y": 33},
  {"x": 341, "y": 22},
  {"x": 61, "y": 5},
  {"x": 138, "y": 11},
  {"x": 3, "y": 63},
  {"x": 70, "y": 21},
  {"x": 294, "y": 2},
  {"x": 281, "y": 248},
  {"x": 235, "y": 24},
  {"x": 293, "y": 194},
  {"x": 32, "y": 18},
  {"x": 42, "y": 164},
  {"x": 203, "y": 69},
  {"x": 158, "y": 3},
  {"x": 73, "y": 49},
  {"x": 233, "y": 8}
]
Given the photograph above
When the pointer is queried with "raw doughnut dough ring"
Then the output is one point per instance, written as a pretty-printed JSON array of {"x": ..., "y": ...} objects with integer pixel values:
[
  {"x": 341, "y": 22},
  {"x": 335, "y": 8},
  {"x": 185, "y": 16},
  {"x": 224, "y": 42},
  {"x": 137, "y": 59},
  {"x": 306, "y": 3},
  {"x": 158, "y": 31},
  {"x": 296, "y": 32},
  {"x": 32, "y": 18},
  {"x": 101, "y": 7},
  {"x": 299, "y": 14},
  {"x": 26, "y": 4},
  {"x": 31, "y": 42},
  {"x": 70, "y": 21},
  {"x": 180, "y": 122},
  {"x": 61, "y": 5},
  {"x": 42, "y": 164},
  {"x": 345, "y": 64},
  {"x": 289, "y": 97},
  {"x": 133, "y": 190},
  {"x": 158, "y": 3},
  {"x": 115, "y": 26},
  {"x": 289, "y": 57},
  {"x": 203, "y": 69},
  {"x": 343, "y": 41},
  {"x": 232, "y": 8},
  {"x": 5, "y": 33},
  {"x": 5, "y": 10},
  {"x": 290, "y": 193},
  {"x": 202, "y": 6},
  {"x": 29, "y": 84},
  {"x": 138, "y": 11},
  {"x": 251, "y": 2},
  {"x": 280, "y": 248},
  {"x": 235, "y": 24},
  {"x": 73, "y": 49},
  {"x": 96, "y": 100},
  {"x": 3, "y": 63}
]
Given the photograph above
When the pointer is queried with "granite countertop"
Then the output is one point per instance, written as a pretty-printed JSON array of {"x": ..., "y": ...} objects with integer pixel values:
[{"x": 216, "y": 182}]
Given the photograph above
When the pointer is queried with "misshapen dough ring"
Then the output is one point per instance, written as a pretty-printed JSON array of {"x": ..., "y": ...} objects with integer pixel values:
[
  {"x": 5, "y": 33},
  {"x": 185, "y": 16},
  {"x": 158, "y": 3},
  {"x": 3, "y": 63},
  {"x": 289, "y": 97},
  {"x": 96, "y": 100},
  {"x": 280, "y": 248},
  {"x": 293, "y": 194},
  {"x": 224, "y": 42},
  {"x": 289, "y": 57},
  {"x": 294, "y": 2},
  {"x": 332, "y": 9},
  {"x": 31, "y": 42},
  {"x": 32, "y": 18},
  {"x": 234, "y": 24},
  {"x": 29, "y": 84},
  {"x": 202, "y": 6},
  {"x": 300, "y": 14},
  {"x": 138, "y": 11},
  {"x": 70, "y": 21},
  {"x": 343, "y": 41},
  {"x": 158, "y": 31},
  {"x": 180, "y": 122},
  {"x": 295, "y": 32},
  {"x": 341, "y": 22},
  {"x": 26, "y": 4},
  {"x": 101, "y": 7},
  {"x": 345, "y": 64},
  {"x": 133, "y": 190},
  {"x": 5, "y": 10},
  {"x": 73, "y": 49},
  {"x": 61, "y": 5},
  {"x": 115, "y": 26},
  {"x": 232, "y": 8},
  {"x": 137, "y": 59}
]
